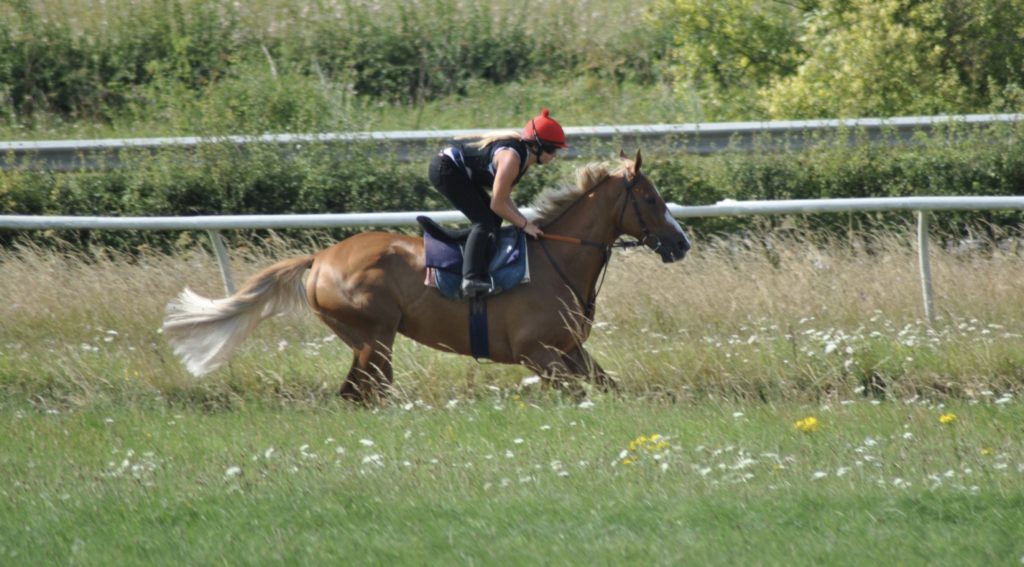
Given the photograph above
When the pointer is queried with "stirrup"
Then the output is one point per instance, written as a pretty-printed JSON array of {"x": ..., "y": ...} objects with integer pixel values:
[{"x": 474, "y": 288}]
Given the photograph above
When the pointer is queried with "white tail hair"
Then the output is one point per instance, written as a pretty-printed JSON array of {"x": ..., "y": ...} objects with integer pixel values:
[{"x": 205, "y": 332}]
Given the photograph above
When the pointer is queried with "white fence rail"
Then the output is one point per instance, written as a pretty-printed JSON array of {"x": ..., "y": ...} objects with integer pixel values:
[
  {"x": 920, "y": 206},
  {"x": 699, "y": 138}
]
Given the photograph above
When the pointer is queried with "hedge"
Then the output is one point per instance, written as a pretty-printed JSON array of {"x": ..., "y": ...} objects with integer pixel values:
[{"x": 224, "y": 179}]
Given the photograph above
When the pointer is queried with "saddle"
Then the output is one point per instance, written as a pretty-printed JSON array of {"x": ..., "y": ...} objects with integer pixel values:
[{"x": 443, "y": 247}]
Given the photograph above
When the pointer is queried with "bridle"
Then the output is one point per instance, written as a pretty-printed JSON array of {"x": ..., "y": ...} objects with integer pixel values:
[{"x": 589, "y": 305}]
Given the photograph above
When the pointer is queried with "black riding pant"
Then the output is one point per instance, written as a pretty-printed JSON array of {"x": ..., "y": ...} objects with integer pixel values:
[{"x": 452, "y": 182}]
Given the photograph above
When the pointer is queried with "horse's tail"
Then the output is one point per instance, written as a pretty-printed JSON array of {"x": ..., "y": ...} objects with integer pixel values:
[{"x": 205, "y": 332}]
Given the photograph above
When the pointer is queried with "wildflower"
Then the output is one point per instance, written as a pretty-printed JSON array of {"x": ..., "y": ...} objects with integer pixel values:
[
  {"x": 807, "y": 425},
  {"x": 986, "y": 451},
  {"x": 947, "y": 418},
  {"x": 653, "y": 445},
  {"x": 637, "y": 443},
  {"x": 650, "y": 444},
  {"x": 233, "y": 472}
]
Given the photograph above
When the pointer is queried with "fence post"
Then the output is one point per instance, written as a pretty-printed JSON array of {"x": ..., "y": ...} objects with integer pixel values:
[
  {"x": 222, "y": 261},
  {"x": 926, "y": 269}
]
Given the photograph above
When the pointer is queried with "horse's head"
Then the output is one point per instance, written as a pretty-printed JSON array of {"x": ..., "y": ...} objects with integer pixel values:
[{"x": 646, "y": 217}]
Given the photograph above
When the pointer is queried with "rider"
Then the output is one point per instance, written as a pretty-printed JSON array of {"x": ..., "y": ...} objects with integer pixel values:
[{"x": 463, "y": 172}]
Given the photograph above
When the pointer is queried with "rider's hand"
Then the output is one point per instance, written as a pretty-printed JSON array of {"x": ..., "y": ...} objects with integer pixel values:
[{"x": 533, "y": 230}]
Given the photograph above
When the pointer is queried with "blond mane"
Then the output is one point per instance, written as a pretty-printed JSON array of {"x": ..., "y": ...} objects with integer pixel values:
[{"x": 553, "y": 202}]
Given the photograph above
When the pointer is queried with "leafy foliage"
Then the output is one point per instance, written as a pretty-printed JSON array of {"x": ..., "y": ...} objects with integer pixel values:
[
  {"x": 843, "y": 58},
  {"x": 200, "y": 66},
  {"x": 317, "y": 178},
  {"x": 724, "y": 51},
  {"x": 98, "y": 62}
]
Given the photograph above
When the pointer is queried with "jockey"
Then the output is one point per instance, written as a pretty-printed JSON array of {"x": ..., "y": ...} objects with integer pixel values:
[{"x": 464, "y": 170}]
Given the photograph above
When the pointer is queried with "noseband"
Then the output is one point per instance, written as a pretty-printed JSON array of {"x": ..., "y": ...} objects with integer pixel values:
[{"x": 647, "y": 236}]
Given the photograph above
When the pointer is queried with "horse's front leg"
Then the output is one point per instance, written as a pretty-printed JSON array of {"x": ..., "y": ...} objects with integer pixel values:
[
  {"x": 581, "y": 363},
  {"x": 553, "y": 367}
]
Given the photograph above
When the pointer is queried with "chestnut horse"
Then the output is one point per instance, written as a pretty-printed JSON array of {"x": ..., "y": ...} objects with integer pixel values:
[{"x": 369, "y": 287}]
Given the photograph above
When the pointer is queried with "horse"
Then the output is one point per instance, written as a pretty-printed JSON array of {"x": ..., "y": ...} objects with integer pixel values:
[{"x": 369, "y": 287}]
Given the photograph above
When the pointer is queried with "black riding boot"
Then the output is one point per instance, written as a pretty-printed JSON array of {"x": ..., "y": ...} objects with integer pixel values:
[{"x": 475, "y": 279}]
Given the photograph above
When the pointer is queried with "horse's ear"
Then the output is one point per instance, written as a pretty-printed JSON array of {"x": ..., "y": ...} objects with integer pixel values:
[{"x": 636, "y": 163}]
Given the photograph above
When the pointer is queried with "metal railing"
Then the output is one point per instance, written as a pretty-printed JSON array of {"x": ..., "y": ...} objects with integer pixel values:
[
  {"x": 696, "y": 138},
  {"x": 920, "y": 206}
]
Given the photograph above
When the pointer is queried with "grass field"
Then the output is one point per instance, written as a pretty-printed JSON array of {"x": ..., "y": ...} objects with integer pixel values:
[
  {"x": 767, "y": 317},
  {"x": 504, "y": 481},
  {"x": 111, "y": 454}
]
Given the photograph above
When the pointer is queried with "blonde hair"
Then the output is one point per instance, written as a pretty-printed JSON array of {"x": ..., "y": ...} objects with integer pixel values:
[{"x": 491, "y": 137}]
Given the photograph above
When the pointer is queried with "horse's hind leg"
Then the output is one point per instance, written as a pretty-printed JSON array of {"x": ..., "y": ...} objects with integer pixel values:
[{"x": 371, "y": 375}]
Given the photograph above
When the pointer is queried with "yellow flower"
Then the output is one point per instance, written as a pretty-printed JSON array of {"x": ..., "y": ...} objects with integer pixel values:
[
  {"x": 807, "y": 425},
  {"x": 986, "y": 451},
  {"x": 637, "y": 443},
  {"x": 644, "y": 444},
  {"x": 947, "y": 418}
]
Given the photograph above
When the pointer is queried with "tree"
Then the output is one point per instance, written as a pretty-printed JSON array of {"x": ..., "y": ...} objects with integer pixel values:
[
  {"x": 845, "y": 58},
  {"x": 899, "y": 57},
  {"x": 725, "y": 50}
]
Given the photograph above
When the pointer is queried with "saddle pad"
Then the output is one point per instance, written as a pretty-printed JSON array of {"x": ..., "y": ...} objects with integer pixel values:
[{"x": 508, "y": 268}]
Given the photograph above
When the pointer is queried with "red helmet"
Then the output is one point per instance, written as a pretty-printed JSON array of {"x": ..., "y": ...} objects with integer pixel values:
[{"x": 544, "y": 130}]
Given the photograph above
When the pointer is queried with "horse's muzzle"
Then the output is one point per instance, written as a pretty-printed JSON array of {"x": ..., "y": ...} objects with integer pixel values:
[{"x": 674, "y": 249}]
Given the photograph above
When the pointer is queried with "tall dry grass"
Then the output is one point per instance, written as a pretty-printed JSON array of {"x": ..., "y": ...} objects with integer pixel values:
[
  {"x": 727, "y": 283},
  {"x": 768, "y": 315}
]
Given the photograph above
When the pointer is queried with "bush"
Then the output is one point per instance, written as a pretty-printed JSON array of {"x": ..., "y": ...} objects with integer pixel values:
[
  {"x": 99, "y": 62},
  {"x": 316, "y": 178},
  {"x": 956, "y": 161}
]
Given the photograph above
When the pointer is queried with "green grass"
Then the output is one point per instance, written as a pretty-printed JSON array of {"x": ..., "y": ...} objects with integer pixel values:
[
  {"x": 522, "y": 480},
  {"x": 111, "y": 454},
  {"x": 810, "y": 323},
  {"x": 574, "y": 101}
]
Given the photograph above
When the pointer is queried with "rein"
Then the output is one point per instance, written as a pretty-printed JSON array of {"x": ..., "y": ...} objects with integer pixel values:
[{"x": 590, "y": 305}]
